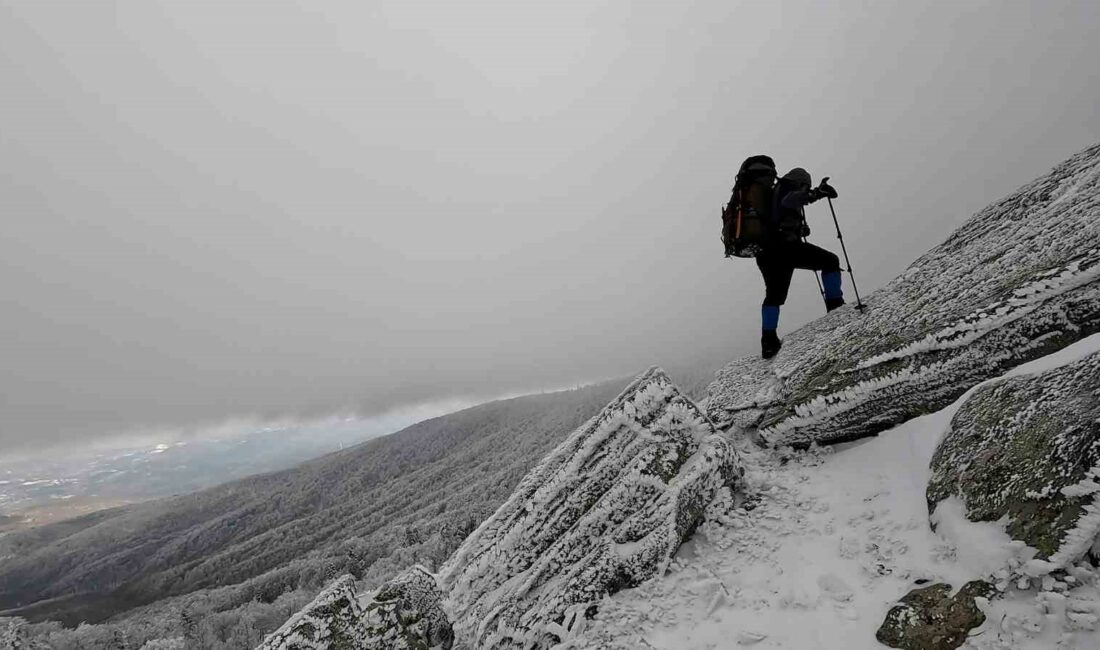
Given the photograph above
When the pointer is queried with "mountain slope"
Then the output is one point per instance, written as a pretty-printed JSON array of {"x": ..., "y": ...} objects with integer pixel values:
[
  {"x": 369, "y": 510},
  {"x": 1019, "y": 280}
]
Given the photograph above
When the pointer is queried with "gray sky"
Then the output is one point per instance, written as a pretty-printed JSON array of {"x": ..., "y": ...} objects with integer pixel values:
[{"x": 217, "y": 210}]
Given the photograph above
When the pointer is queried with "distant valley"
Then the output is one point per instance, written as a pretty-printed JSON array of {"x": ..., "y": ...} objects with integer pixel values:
[{"x": 58, "y": 486}]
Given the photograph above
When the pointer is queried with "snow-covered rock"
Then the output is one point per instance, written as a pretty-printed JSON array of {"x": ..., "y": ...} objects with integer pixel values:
[
  {"x": 1019, "y": 280},
  {"x": 931, "y": 618},
  {"x": 407, "y": 613},
  {"x": 1028, "y": 449},
  {"x": 606, "y": 510},
  {"x": 333, "y": 620}
]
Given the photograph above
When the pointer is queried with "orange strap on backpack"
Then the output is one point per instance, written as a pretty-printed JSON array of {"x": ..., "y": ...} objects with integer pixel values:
[{"x": 737, "y": 226}]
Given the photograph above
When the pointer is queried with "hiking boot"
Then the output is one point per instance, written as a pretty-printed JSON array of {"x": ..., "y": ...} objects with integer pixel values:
[
  {"x": 769, "y": 344},
  {"x": 833, "y": 303}
]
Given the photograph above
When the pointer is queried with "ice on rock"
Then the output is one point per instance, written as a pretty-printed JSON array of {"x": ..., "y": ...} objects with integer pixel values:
[
  {"x": 606, "y": 510},
  {"x": 333, "y": 619},
  {"x": 405, "y": 614},
  {"x": 1024, "y": 448}
]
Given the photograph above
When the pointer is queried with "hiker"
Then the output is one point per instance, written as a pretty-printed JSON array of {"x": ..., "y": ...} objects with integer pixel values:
[
  {"x": 767, "y": 220},
  {"x": 787, "y": 250}
]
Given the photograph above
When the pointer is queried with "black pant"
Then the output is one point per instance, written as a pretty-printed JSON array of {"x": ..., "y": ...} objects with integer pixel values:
[{"x": 778, "y": 261}]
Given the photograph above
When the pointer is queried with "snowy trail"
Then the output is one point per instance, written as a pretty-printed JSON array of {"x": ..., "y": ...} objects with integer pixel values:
[{"x": 827, "y": 541}]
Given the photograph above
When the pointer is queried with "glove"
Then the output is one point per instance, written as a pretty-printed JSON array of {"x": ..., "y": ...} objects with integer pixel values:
[
  {"x": 815, "y": 194},
  {"x": 805, "y": 230},
  {"x": 827, "y": 190}
]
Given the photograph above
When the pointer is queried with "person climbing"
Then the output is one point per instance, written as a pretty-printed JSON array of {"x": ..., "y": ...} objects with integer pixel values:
[{"x": 786, "y": 249}]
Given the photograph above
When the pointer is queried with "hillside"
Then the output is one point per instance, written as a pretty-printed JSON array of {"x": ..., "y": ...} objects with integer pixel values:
[{"x": 369, "y": 511}]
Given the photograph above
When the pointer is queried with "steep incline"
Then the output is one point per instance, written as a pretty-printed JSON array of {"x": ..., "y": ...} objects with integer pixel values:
[{"x": 1018, "y": 281}]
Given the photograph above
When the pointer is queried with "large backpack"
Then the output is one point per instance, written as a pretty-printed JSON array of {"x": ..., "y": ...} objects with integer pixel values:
[{"x": 746, "y": 219}]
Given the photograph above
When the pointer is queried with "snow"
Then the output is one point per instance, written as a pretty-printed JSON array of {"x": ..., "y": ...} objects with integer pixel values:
[
  {"x": 825, "y": 541},
  {"x": 608, "y": 507},
  {"x": 1069, "y": 354}
]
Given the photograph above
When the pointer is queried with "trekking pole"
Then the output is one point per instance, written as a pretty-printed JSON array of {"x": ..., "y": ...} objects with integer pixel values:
[
  {"x": 859, "y": 303},
  {"x": 817, "y": 276}
]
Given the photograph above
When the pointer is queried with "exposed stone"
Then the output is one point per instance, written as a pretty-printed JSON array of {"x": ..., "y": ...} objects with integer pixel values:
[
  {"x": 1028, "y": 448},
  {"x": 407, "y": 613},
  {"x": 1019, "y": 280},
  {"x": 929, "y": 618},
  {"x": 605, "y": 511},
  {"x": 332, "y": 620}
]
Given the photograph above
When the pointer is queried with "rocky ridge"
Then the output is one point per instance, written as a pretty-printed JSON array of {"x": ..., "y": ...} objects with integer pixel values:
[
  {"x": 606, "y": 510},
  {"x": 1018, "y": 281}
]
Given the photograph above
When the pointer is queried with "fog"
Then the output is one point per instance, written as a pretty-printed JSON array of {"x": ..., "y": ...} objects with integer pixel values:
[{"x": 214, "y": 211}]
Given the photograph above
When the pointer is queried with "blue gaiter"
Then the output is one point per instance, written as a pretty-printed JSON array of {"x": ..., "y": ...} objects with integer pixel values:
[
  {"x": 831, "y": 280},
  {"x": 769, "y": 317}
]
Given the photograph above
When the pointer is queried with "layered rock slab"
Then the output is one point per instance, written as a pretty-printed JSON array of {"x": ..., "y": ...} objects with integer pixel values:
[
  {"x": 405, "y": 614},
  {"x": 332, "y": 620},
  {"x": 605, "y": 511},
  {"x": 1028, "y": 449},
  {"x": 1019, "y": 280}
]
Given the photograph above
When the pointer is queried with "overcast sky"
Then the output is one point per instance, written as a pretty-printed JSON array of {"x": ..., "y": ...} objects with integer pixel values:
[{"x": 217, "y": 210}]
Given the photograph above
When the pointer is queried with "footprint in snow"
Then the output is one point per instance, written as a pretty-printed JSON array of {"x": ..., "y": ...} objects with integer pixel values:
[{"x": 835, "y": 587}]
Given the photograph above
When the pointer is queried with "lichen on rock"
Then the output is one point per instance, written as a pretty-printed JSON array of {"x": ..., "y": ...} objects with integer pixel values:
[
  {"x": 331, "y": 620},
  {"x": 605, "y": 511},
  {"x": 930, "y": 618},
  {"x": 1028, "y": 448},
  {"x": 407, "y": 614}
]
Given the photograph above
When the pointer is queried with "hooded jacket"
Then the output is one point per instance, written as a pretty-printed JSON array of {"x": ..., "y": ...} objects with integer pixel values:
[{"x": 788, "y": 216}]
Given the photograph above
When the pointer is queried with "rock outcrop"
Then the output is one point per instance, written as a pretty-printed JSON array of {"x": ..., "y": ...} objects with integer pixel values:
[
  {"x": 605, "y": 511},
  {"x": 930, "y": 618},
  {"x": 407, "y": 613},
  {"x": 333, "y": 620},
  {"x": 1028, "y": 448},
  {"x": 1018, "y": 281}
]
